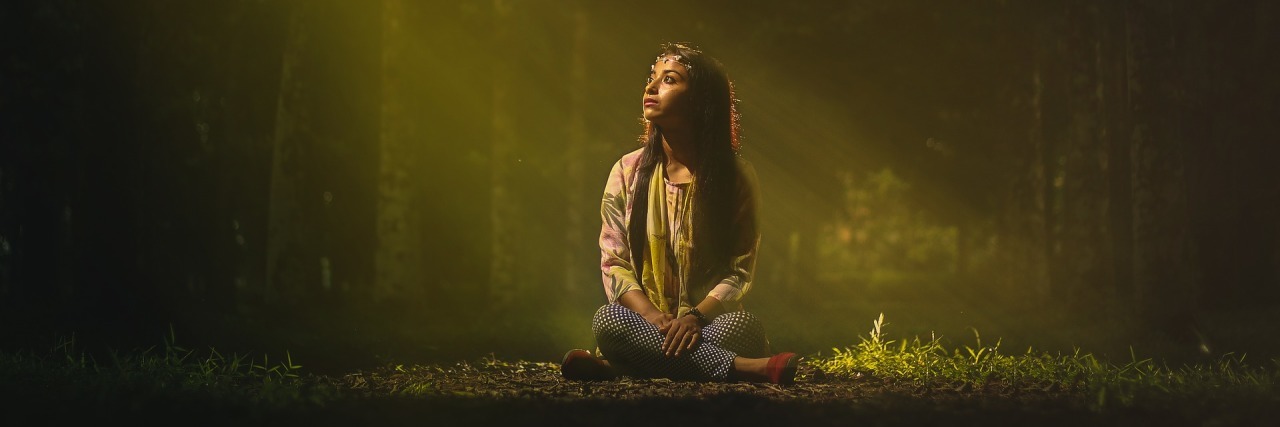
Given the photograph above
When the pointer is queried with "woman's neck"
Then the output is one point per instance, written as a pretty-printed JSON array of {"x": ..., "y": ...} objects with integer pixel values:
[{"x": 682, "y": 158}]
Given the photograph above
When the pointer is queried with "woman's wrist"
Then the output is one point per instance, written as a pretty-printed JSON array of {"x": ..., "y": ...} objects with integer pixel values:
[
  {"x": 654, "y": 317},
  {"x": 698, "y": 316}
]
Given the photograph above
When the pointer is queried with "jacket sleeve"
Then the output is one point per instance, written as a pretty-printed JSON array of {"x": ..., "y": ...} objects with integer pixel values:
[
  {"x": 615, "y": 253},
  {"x": 742, "y": 267}
]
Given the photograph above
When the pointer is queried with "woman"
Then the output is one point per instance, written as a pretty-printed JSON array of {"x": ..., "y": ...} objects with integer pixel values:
[{"x": 678, "y": 241}]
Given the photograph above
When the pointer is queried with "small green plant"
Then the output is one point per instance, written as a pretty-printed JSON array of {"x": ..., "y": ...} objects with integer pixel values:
[{"x": 283, "y": 370}]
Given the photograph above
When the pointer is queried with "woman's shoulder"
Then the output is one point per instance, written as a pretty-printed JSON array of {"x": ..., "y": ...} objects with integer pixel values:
[
  {"x": 627, "y": 164},
  {"x": 746, "y": 171},
  {"x": 632, "y": 159},
  {"x": 744, "y": 166}
]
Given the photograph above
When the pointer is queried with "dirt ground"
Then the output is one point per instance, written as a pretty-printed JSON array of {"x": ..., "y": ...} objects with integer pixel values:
[{"x": 496, "y": 392}]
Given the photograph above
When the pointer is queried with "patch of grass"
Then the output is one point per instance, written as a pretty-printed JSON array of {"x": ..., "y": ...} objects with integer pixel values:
[
  {"x": 1100, "y": 384},
  {"x": 166, "y": 374}
]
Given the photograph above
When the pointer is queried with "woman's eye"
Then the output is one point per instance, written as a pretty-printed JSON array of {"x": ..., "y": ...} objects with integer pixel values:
[
  {"x": 648, "y": 80},
  {"x": 668, "y": 80}
]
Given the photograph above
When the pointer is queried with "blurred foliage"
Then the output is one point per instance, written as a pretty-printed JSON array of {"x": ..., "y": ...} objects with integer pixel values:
[{"x": 879, "y": 234}]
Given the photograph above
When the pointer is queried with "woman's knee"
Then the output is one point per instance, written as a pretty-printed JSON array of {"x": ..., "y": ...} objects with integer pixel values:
[
  {"x": 610, "y": 311},
  {"x": 740, "y": 320},
  {"x": 609, "y": 318}
]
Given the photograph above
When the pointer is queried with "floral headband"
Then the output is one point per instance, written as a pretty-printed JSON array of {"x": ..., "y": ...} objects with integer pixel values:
[{"x": 667, "y": 58}]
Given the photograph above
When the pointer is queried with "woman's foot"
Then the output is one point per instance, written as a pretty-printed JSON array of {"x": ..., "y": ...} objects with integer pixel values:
[
  {"x": 581, "y": 365},
  {"x": 779, "y": 369}
]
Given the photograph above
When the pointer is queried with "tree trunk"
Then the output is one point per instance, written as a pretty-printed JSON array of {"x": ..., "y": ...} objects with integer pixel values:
[
  {"x": 503, "y": 206},
  {"x": 1164, "y": 268},
  {"x": 1024, "y": 245},
  {"x": 286, "y": 228},
  {"x": 1085, "y": 234},
  {"x": 399, "y": 256},
  {"x": 1115, "y": 129},
  {"x": 1263, "y": 74}
]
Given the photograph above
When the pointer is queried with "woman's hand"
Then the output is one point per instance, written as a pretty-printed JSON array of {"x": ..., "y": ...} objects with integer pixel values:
[
  {"x": 659, "y": 319},
  {"x": 682, "y": 334},
  {"x": 637, "y": 302}
]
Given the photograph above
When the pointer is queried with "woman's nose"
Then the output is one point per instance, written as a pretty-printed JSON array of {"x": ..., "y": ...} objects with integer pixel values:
[{"x": 651, "y": 88}]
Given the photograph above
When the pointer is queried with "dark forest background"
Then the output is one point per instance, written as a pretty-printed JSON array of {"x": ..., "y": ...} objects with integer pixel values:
[{"x": 368, "y": 181}]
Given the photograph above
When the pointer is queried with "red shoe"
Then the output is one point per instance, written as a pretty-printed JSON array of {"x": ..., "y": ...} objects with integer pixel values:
[
  {"x": 581, "y": 365},
  {"x": 781, "y": 368}
]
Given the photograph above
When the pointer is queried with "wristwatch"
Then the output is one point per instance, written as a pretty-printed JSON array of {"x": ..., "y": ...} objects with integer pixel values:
[{"x": 702, "y": 319}]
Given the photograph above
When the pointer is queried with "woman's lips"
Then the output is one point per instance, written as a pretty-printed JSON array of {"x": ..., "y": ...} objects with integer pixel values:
[{"x": 650, "y": 101}]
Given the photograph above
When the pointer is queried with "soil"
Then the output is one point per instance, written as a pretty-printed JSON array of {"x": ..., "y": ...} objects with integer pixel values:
[{"x": 495, "y": 392}]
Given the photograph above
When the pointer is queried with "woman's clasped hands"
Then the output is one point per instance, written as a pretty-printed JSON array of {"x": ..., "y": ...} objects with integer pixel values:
[{"x": 681, "y": 334}]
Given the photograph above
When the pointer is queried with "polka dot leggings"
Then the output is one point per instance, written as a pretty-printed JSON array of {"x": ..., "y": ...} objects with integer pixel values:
[{"x": 633, "y": 345}]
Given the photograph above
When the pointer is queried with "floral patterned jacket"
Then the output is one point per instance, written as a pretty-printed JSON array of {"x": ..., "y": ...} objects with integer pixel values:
[{"x": 618, "y": 273}]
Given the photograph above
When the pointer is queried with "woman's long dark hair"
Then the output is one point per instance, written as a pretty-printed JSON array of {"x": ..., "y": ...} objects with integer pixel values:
[{"x": 716, "y": 181}]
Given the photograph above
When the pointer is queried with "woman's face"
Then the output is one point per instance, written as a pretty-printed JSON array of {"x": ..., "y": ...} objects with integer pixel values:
[{"x": 665, "y": 101}]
